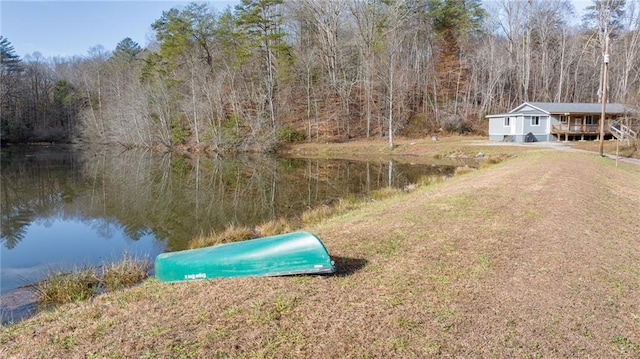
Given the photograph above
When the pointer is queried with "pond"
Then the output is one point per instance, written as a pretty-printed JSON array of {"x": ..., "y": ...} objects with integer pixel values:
[{"x": 64, "y": 207}]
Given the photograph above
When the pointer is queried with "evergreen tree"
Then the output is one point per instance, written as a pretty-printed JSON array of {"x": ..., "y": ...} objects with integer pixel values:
[
  {"x": 127, "y": 50},
  {"x": 183, "y": 31},
  {"x": 186, "y": 63},
  {"x": 261, "y": 22},
  {"x": 454, "y": 22},
  {"x": 10, "y": 70},
  {"x": 609, "y": 12},
  {"x": 9, "y": 60},
  {"x": 66, "y": 105},
  {"x": 229, "y": 40}
]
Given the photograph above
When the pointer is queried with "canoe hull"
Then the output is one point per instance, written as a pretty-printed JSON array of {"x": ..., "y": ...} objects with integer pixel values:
[{"x": 286, "y": 254}]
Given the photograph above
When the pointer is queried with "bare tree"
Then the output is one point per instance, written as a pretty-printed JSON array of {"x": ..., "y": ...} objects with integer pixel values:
[{"x": 369, "y": 16}]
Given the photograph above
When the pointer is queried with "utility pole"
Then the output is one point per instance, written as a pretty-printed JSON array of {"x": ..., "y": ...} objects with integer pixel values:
[
  {"x": 604, "y": 94},
  {"x": 605, "y": 59}
]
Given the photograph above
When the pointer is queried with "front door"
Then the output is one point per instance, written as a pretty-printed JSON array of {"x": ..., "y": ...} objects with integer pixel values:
[{"x": 576, "y": 125}]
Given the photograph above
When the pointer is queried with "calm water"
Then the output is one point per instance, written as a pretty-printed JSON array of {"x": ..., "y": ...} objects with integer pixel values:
[{"x": 63, "y": 207}]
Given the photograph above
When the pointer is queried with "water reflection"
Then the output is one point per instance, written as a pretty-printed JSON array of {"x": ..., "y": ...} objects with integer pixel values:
[
  {"x": 57, "y": 243},
  {"x": 63, "y": 206}
]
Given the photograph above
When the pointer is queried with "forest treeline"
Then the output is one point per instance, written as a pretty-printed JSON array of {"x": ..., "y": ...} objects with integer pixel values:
[{"x": 267, "y": 72}]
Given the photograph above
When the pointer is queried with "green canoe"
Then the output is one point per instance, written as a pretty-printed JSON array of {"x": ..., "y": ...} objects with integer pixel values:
[{"x": 285, "y": 254}]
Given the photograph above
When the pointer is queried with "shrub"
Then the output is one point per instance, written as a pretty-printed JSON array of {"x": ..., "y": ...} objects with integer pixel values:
[
  {"x": 126, "y": 273},
  {"x": 83, "y": 283},
  {"x": 234, "y": 133},
  {"x": 179, "y": 131},
  {"x": 67, "y": 287},
  {"x": 288, "y": 134}
]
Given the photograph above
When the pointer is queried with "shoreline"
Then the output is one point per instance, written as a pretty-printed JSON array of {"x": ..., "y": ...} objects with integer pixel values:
[
  {"x": 21, "y": 303},
  {"x": 17, "y": 305},
  {"x": 454, "y": 269}
]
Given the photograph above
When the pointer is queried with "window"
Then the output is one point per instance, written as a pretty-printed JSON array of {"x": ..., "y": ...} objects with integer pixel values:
[
  {"x": 506, "y": 121},
  {"x": 535, "y": 120},
  {"x": 563, "y": 119},
  {"x": 591, "y": 120}
]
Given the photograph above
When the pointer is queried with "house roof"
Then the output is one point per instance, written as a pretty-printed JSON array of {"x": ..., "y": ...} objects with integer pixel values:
[{"x": 566, "y": 107}]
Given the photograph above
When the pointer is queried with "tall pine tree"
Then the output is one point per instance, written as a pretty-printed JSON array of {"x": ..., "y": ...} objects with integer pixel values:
[
  {"x": 454, "y": 22},
  {"x": 10, "y": 70},
  {"x": 261, "y": 22}
]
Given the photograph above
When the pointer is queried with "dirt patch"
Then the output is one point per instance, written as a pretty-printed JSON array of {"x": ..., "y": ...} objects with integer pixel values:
[{"x": 537, "y": 256}]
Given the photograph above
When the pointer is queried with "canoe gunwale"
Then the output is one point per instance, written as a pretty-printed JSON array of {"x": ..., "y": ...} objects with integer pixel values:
[{"x": 323, "y": 271}]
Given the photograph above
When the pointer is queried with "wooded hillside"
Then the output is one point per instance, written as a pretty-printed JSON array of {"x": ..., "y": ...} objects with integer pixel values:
[{"x": 274, "y": 71}]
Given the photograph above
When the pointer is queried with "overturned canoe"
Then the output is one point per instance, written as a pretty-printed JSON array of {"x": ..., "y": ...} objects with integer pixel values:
[{"x": 285, "y": 254}]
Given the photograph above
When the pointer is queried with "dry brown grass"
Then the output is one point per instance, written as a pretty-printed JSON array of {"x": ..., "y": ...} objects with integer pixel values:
[
  {"x": 624, "y": 149},
  {"x": 82, "y": 283},
  {"x": 536, "y": 256},
  {"x": 276, "y": 226},
  {"x": 463, "y": 170},
  {"x": 407, "y": 150},
  {"x": 317, "y": 215},
  {"x": 232, "y": 233},
  {"x": 124, "y": 273},
  {"x": 386, "y": 192},
  {"x": 67, "y": 286}
]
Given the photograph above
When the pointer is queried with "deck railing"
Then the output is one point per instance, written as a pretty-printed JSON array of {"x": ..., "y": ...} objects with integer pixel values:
[
  {"x": 622, "y": 131},
  {"x": 579, "y": 128}
]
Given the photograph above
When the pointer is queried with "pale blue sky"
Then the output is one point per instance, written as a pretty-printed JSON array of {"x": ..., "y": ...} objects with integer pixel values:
[{"x": 68, "y": 28}]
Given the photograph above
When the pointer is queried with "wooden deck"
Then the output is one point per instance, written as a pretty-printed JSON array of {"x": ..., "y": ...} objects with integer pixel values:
[{"x": 580, "y": 130}]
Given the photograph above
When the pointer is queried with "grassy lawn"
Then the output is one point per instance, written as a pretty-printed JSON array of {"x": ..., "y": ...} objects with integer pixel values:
[
  {"x": 623, "y": 149},
  {"x": 535, "y": 256}
]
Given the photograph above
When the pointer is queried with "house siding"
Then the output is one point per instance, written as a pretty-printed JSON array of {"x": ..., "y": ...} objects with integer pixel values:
[
  {"x": 520, "y": 126},
  {"x": 497, "y": 129},
  {"x": 540, "y": 129}
]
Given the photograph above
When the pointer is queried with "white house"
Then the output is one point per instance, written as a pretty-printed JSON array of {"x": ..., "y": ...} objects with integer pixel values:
[{"x": 548, "y": 121}]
